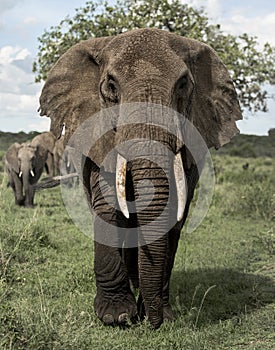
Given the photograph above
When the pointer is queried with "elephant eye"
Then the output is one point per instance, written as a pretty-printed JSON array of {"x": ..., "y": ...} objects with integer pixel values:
[
  {"x": 109, "y": 90},
  {"x": 112, "y": 86},
  {"x": 182, "y": 82}
]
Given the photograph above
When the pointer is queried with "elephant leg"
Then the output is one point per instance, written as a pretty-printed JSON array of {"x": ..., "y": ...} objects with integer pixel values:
[
  {"x": 130, "y": 250},
  {"x": 29, "y": 200},
  {"x": 114, "y": 302},
  {"x": 49, "y": 165},
  {"x": 17, "y": 187},
  {"x": 29, "y": 192},
  {"x": 130, "y": 257}
]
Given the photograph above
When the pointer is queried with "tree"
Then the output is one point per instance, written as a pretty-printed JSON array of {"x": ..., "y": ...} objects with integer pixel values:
[{"x": 251, "y": 68}]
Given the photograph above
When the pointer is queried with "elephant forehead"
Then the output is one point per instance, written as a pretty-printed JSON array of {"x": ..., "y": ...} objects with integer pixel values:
[
  {"x": 144, "y": 51},
  {"x": 145, "y": 67},
  {"x": 26, "y": 150}
]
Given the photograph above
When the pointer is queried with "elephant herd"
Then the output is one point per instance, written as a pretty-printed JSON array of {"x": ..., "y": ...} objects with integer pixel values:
[{"x": 24, "y": 164}]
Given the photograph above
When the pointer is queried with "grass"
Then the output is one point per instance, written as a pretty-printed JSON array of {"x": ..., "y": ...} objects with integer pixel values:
[{"x": 222, "y": 288}]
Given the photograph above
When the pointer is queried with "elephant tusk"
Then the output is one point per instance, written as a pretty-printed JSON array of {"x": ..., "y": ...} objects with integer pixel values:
[
  {"x": 20, "y": 174},
  {"x": 180, "y": 185},
  {"x": 32, "y": 173},
  {"x": 121, "y": 184}
]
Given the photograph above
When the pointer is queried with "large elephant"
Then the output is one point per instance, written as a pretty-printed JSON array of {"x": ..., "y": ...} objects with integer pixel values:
[
  {"x": 24, "y": 165},
  {"x": 139, "y": 68},
  {"x": 47, "y": 141}
]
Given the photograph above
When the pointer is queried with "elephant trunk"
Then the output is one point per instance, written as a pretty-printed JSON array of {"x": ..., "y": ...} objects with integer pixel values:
[
  {"x": 149, "y": 153},
  {"x": 151, "y": 193},
  {"x": 153, "y": 198},
  {"x": 27, "y": 172}
]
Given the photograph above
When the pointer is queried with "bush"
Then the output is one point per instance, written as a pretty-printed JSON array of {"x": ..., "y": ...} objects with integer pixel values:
[{"x": 246, "y": 151}]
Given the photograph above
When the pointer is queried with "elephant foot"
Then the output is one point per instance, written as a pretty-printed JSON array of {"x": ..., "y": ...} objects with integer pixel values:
[
  {"x": 118, "y": 310},
  {"x": 29, "y": 206},
  {"x": 20, "y": 201},
  {"x": 141, "y": 308},
  {"x": 168, "y": 313},
  {"x": 155, "y": 312}
]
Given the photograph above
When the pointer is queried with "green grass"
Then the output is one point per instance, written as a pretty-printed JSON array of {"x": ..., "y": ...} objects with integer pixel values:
[{"x": 222, "y": 289}]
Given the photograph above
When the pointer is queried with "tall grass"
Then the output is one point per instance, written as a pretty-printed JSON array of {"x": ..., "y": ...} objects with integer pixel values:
[
  {"x": 247, "y": 192},
  {"x": 222, "y": 287}
]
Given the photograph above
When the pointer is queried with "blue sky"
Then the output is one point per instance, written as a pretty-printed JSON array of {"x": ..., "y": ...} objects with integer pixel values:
[{"x": 22, "y": 21}]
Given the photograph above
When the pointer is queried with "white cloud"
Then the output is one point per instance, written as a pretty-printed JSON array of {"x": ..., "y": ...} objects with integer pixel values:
[
  {"x": 260, "y": 26},
  {"x": 19, "y": 93},
  {"x": 18, "y": 104},
  {"x": 15, "y": 73},
  {"x": 22, "y": 54},
  {"x": 30, "y": 20},
  {"x": 212, "y": 7},
  {"x": 41, "y": 125},
  {"x": 6, "y": 54},
  {"x": 239, "y": 18}
]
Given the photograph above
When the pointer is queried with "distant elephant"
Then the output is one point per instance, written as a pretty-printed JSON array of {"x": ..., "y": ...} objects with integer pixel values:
[
  {"x": 24, "y": 165},
  {"x": 47, "y": 141},
  {"x": 58, "y": 153},
  {"x": 132, "y": 70},
  {"x": 63, "y": 162}
]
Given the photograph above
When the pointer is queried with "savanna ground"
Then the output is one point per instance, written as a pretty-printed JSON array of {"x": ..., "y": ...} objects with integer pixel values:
[{"x": 223, "y": 282}]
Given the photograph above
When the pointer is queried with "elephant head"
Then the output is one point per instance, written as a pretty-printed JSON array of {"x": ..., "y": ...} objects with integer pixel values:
[
  {"x": 139, "y": 68},
  {"x": 47, "y": 141},
  {"x": 31, "y": 159}
]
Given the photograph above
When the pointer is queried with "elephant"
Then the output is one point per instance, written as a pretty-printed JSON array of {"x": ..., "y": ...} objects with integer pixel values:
[
  {"x": 124, "y": 73},
  {"x": 24, "y": 164},
  {"x": 63, "y": 162},
  {"x": 47, "y": 140},
  {"x": 57, "y": 154}
]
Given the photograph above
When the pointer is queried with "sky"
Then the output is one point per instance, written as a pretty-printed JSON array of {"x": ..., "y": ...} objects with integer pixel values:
[{"x": 23, "y": 21}]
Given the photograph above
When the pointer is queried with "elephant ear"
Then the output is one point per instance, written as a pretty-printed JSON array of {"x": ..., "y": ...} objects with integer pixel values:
[
  {"x": 48, "y": 140},
  {"x": 214, "y": 107},
  {"x": 41, "y": 154},
  {"x": 70, "y": 94},
  {"x": 12, "y": 156}
]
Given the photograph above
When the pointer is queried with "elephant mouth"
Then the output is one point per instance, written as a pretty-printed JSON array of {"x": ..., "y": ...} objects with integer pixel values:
[
  {"x": 180, "y": 183},
  {"x": 31, "y": 172}
]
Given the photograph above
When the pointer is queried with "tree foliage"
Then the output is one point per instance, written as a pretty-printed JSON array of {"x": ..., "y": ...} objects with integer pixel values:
[{"x": 251, "y": 68}]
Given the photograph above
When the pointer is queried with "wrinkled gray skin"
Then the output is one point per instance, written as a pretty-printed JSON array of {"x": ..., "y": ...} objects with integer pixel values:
[
  {"x": 145, "y": 65},
  {"x": 24, "y": 165},
  {"x": 47, "y": 141}
]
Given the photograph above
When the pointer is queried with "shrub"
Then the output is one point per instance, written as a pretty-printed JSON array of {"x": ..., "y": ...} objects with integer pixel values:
[{"x": 246, "y": 150}]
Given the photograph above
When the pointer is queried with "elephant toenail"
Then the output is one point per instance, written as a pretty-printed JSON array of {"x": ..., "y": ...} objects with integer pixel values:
[
  {"x": 123, "y": 318},
  {"x": 108, "y": 319}
]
